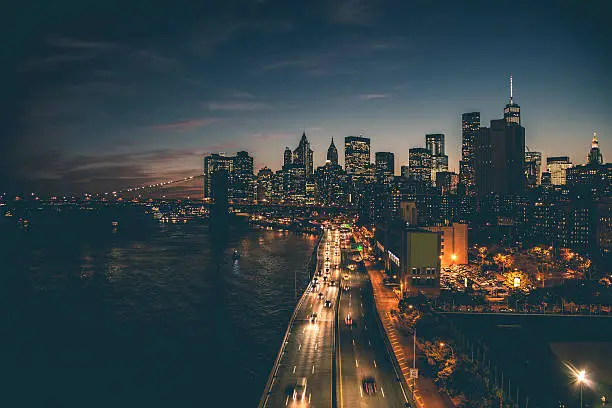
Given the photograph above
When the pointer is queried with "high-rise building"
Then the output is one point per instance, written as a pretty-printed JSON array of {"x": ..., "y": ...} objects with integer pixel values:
[
  {"x": 470, "y": 126},
  {"x": 213, "y": 163},
  {"x": 419, "y": 161},
  {"x": 447, "y": 181},
  {"x": 385, "y": 167},
  {"x": 265, "y": 184},
  {"x": 439, "y": 161},
  {"x": 533, "y": 164},
  {"x": 435, "y": 143},
  {"x": 499, "y": 158},
  {"x": 287, "y": 158},
  {"x": 405, "y": 171},
  {"x": 512, "y": 111},
  {"x": 302, "y": 155},
  {"x": 242, "y": 179},
  {"x": 557, "y": 167},
  {"x": 592, "y": 180},
  {"x": 332, "y": 153},
  {"x": 356, "y": 154},
  {"x": 595, "y": 156}
]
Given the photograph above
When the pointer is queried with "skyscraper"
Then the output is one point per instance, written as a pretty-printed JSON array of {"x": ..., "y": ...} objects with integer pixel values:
[
  {"x": 499, "y": 158},
  {"x": 419, "y": 161},
  {"x": 470, "y": 126},
  {"x": 356, "y": 154},
  {"x": 288, "y": 158},
  {"x": 435, "y": 143},
  {"x": 242, "y": 179},
  {"x": 512, "y": 112},
  {"x": 332, "y": 153},
  {"x": 302, "y": 155},
  {"x": 556, "y": 167},
  {"x": 439, "y": 161},
  {"x": 385, "y": 167},
  {"x": 213, "y": 163},
  {"x": 533, "y": 163},
  {"x": 595, "y": 156}
]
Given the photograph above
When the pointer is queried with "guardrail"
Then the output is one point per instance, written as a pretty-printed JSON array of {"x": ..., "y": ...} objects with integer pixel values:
[
  {"x": 409, "y": 396},
  {"x": 273, "y": 373}
]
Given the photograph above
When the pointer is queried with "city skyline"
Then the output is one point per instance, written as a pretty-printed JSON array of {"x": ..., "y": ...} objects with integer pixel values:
[{"x": 97, "y": 109}]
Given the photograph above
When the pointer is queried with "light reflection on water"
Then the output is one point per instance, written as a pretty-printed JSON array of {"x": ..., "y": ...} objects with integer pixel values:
[{"x": 170, "y": 311}]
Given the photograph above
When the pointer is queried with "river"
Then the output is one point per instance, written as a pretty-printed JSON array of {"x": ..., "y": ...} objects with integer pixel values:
[{"x": 147, "y": 314}]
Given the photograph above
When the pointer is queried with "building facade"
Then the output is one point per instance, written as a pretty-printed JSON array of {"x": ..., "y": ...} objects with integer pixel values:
[
  {"x": 470, "y": 126},
  {"x": 420, "y": 164},
  {"x": 557, "y": 166},
  {"x": 356, "y": 154}
]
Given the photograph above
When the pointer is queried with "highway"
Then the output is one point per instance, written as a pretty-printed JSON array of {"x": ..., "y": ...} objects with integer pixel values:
[
  {"x": 309, "y": 349},
  {"x": 362, "y": 351}
]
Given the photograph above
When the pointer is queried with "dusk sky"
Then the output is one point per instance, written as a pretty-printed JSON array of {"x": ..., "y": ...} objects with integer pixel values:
[{"x": 104, "y": 95}]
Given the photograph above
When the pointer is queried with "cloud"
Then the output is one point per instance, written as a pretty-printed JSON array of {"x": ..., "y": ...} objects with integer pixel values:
[
  {"x": 367, "y": 97},
  {"x": 351, "y": 12},
  {"x": 188, "y": 124},
  {"x": 237, "y": 106},
  {"x": 72, "y": 43},
  {"x": 339, "y": 59}
]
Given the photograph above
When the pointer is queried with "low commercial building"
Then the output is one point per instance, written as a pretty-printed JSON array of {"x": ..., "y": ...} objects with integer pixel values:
[
  {"x": 413, "y": 254},
  {"x": 454, "y": 244}
]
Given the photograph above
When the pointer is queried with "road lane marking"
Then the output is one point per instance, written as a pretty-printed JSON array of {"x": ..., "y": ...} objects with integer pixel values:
[
  {"x": 313, "y": 369},
  {"x": 309, "y": 395},
  {"x": 361, "y": 392},
  {"x": 300, "y": 346},
  {"x": 382, "y": 391},
  {"x": 374, "y": 364},
  {"x": 316, "y": 345},
  {"x": 294, "y": 369},
  {"x": 369, "y": 344},
  {"x": 356, "y": 363},
  {"x": 287, "y": 401}
]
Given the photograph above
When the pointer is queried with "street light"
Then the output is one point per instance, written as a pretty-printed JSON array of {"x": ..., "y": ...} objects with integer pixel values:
[{"x": 581, "y": 378}]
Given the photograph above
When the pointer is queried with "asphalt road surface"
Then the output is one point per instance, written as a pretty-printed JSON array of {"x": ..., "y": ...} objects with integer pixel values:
[
  {"x": 362, "y": 349},
  {"x": 309, "y": 352}
]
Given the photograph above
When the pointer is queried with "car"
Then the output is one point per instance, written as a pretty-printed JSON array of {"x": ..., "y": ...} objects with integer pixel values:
[
  {"x": 346, "y": 276},
  {"x": 299, "y": 391},
  {"x": 369, "y": 385},
  {"x": 328, "y": 303},
  {"x": 348, "y": 320},
  {"x": 320, "y": 295},
  {"x": 313, "y": 318},
  {"x": 332, "y": 283}
]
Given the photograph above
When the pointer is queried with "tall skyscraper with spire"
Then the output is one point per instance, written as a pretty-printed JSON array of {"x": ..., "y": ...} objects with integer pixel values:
[
  {"x": 512, "y": 111},
  {"x": 332, "y": 153},
  {"x": 595, "y": 156},
  {"x": 302, "y": 155}
]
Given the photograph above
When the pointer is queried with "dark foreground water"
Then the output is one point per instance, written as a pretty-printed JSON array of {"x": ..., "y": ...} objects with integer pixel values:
[{"x": 151, "y": 315}]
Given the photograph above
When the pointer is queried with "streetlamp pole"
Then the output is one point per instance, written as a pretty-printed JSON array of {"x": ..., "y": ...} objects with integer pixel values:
[{"x": 580, "y": 394}]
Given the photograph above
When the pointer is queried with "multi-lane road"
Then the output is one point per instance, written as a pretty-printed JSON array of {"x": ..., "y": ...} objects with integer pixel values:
[
  {"x": 309, "y": 348},
  {"x": 312, "y": 346},
  {"x": 362, "y": 351}
]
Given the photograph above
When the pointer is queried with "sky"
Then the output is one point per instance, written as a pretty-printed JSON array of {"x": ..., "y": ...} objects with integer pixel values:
[{"x": 104, "y": 95}]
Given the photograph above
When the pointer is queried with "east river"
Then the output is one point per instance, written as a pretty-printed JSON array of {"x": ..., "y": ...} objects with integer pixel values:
[{"x": 146, "y": 314}]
